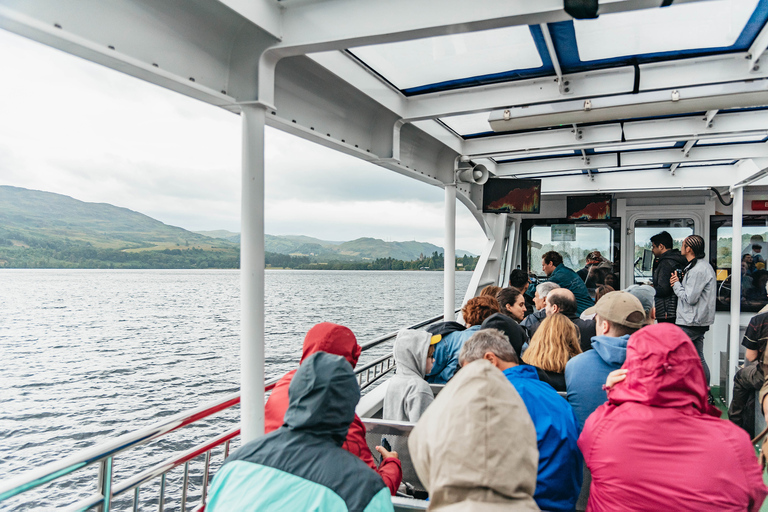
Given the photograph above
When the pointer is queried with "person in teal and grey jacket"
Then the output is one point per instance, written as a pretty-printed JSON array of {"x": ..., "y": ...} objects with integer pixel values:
[
  {"x": 552, "y": 264},
  {"x": 301, "y": 466}
]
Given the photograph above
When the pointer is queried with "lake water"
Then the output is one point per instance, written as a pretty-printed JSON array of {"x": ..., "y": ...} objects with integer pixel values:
[{"x": 88, "y": 355}]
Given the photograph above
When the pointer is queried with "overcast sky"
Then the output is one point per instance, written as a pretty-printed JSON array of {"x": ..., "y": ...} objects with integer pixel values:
[{"x": 76, "y": 128}]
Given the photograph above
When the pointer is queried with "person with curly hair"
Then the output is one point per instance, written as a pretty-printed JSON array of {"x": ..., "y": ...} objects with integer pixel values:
[{"x": 556, "y": 341}]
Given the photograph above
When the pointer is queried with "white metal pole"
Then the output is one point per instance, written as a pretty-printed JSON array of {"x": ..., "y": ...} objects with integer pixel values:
[
  {"x": 738, "y": 211},
  {"x": 252, "y": 275},
  {"x": 449, "y": 254}
]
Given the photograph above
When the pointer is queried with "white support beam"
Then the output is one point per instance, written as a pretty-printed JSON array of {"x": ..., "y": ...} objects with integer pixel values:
[
  {"x": 520, "y": 92},
  {"x": 252, "y": 275},
  {"x": 449, "y": 254},
  {"x": 710, "y": 115},
  {"x": 757, "y": 49},
  {"x": 696, "y": 154},
  {"x": 687, "y": 147},
  {"x": 266, "y": 14},
  {"x": 657, "y": 103},
  {"x": 681, "y": 128},
  {"x": 544, "y": 140},
  {"x": 564, "y": 89},
  {"x": 697, "y": 71},
  {"x": 650, "y": 180},
  {"x": 556, "y": 164}
]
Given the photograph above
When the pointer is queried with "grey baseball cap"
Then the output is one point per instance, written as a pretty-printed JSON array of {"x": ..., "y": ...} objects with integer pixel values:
[{"x": 645, "y": 294}]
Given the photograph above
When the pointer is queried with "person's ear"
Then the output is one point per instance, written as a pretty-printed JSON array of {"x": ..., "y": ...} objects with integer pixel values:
[
  {"x": 491, "y": 357},
  {"x": 509, "y": 308}
]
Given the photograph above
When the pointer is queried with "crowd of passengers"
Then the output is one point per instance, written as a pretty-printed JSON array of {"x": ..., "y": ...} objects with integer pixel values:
[{"x": 633, "y": 427}]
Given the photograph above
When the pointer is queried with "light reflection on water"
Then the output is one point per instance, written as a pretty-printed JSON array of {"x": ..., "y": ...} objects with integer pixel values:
[{"x": 91, "y": 354}]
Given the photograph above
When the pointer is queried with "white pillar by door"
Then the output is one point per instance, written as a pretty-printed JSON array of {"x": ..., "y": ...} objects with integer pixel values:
[{"x": 449, "y": 254}]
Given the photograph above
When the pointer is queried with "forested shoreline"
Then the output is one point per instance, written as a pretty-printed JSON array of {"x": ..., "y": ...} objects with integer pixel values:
[{"x": 84, "y": 256}]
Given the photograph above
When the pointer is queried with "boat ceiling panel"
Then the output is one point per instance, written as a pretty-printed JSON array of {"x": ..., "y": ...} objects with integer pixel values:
[
  {"x": 709, "y": 25},
  {"x": 456, "y": 60}
]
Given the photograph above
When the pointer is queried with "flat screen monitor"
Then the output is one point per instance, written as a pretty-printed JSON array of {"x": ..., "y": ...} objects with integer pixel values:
[
  {"x": 597, "y": 207},
  {"x": 501, "y": 195},
  {"x": 647, "y": 260}
]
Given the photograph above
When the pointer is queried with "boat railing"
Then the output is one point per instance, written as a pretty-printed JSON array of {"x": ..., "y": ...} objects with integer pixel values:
[{"x": 104, "y": 454}]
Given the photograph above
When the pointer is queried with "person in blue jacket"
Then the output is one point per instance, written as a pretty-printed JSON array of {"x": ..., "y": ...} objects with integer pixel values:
[
  {"x": 552, "y": 264},
  {"x": 301, "y": 465},
  {"x": 474, "y": 312},
  {"x": 559, "y": 477}
]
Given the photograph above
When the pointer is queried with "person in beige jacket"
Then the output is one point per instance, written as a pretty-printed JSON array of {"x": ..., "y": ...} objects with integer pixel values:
[{"x": 474, "y": 449}]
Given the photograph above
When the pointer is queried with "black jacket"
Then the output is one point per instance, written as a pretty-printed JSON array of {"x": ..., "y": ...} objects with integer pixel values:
[
  {"x": 666, "y": 300},
  {"x": 587, "y": 329}
]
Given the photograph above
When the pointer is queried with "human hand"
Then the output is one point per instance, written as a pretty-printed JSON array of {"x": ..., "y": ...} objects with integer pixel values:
[
  {"x": 615, "y": 377},
  {"x": 673, "y": 279},
  {"x": 385, "y": 454}
]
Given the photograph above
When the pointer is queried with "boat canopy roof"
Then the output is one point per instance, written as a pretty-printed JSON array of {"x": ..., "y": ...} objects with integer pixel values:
[{"x": 645, "y": 95}]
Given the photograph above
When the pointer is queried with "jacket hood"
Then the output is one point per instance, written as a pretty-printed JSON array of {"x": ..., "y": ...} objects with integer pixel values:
[
  {"x": 509, "y": 327},
  {"x": 664, "y": 370},
  {"x": 611, "y": 350},
  {"x": 334, "y": 339},
  {"x": 322, "y": 397},
  {"x": 475, "y": 446},
  {"x": 411, "y": 348}
]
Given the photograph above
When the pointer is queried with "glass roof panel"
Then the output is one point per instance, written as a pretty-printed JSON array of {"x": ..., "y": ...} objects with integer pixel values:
[
  {"x": 730, "y": 140},
  {"x": 650, "y": 145},
  {"x": 713, "y": 24},
  {"x": 439, "y": 59},
  {"x": 468, "y": 124}
]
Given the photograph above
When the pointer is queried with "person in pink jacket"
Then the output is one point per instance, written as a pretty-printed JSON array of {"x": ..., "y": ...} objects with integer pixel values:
[{"x": 657, "y": 444}]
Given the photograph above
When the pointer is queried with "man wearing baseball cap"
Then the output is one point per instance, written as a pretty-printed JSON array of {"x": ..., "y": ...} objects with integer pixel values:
[{"x": 617, "y": 316}]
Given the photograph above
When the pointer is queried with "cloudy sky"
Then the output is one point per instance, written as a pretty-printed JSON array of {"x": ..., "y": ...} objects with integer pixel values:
[{"x": 73, "y": 127}]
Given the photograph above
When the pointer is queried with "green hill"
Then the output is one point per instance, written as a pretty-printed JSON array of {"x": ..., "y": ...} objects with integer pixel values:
[
  {"x": 42, "y": 229},
  {"x": 47, "y": 230}
]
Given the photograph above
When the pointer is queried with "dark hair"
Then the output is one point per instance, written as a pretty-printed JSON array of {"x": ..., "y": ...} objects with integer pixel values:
[
  {"x": 613, "y": 279},
  {"x": 601, "y": 290},
  {"x": 490, "y": 291},
  {"x": 478, "y": 309},
  {"x": 696, "y": 244},
  {"x": 518, "y": 278},
  {"x": 506, "y": 296},
  {"x": 565, "y": 302},
  {"x": 664, "y": 239},
  {"x": 552, "y": 257},
  {"x": 757, "y": 247}
]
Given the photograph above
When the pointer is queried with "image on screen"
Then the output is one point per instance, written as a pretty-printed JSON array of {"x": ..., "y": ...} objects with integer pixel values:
[
  {"x": 589, "y": 207},
  {"x": 502, "y": 195}
]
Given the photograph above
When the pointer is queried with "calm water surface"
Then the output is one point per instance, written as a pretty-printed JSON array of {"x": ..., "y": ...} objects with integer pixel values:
[{"x": 91, "y": 354}]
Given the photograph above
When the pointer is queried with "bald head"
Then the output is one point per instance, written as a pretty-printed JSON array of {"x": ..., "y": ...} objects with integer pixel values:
[{"x": 561, "y": 300}]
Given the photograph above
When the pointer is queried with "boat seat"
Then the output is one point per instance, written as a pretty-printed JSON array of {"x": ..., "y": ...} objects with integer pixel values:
[{"x": 397, "y": 433}]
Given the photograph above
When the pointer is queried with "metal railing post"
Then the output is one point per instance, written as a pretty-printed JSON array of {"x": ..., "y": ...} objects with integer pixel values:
[{"x": 105, "y": 484}]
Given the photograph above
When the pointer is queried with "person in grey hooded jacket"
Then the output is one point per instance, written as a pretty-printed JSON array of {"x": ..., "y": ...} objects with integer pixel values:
[
  {"x": 696, "y": 295},
  {"x": 408, "y": 394}
]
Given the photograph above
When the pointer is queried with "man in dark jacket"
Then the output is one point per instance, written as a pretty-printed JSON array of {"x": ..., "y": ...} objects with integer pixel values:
[
  {"x": 667, "y": 261},
  {"x": 552, "y": 265},
  {"x": 301, "y": 465},
  {"x": 562, "y": 301}
]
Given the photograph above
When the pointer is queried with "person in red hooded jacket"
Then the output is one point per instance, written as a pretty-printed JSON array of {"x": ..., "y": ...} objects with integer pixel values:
[
  {"x": 657, "y": 444},
  {"x": 338, "y": 340}
]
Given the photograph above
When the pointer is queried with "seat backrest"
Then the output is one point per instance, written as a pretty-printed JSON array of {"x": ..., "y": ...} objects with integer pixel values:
[{"x": 397, "y": 433}]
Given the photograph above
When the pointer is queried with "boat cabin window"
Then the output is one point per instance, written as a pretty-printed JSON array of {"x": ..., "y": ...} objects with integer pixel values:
[
  {"x": 753, "y": 271},
  {"x": 574, "y": 241},
  {"x": 644, "y": 229}
]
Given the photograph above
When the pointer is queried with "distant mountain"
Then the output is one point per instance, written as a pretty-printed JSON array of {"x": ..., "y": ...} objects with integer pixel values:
[
  {"x": 354, "y": 250},
  {"x": 36, "y": 214},
  {"x": 46, "y": 230},
  {"x": 43, "y": 229}
]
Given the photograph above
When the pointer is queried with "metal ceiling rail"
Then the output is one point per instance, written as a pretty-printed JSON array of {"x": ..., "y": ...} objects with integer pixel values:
[{"x": 104, "y": 453}]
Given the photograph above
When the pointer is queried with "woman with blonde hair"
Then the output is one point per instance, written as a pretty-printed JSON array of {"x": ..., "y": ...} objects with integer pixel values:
[{"x": 555, "y": 342}]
